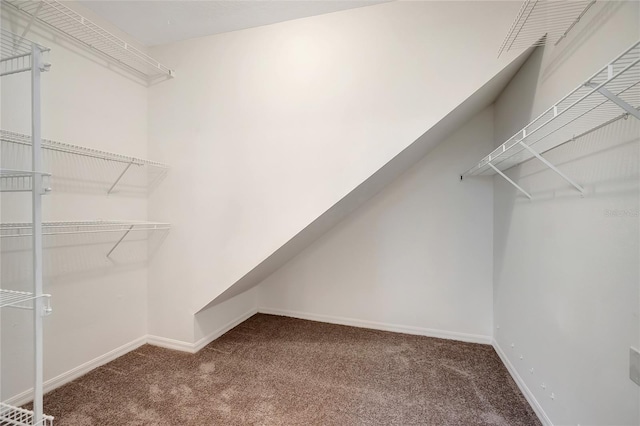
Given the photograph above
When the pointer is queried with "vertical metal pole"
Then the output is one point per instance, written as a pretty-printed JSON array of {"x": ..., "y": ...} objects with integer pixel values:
[{"x": 36, "y": 197}]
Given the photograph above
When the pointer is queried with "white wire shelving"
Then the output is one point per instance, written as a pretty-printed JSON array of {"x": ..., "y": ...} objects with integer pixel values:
[
  {"x": 80, "y": 227},
  {"x": 22, "y": 181},
  {"x": 610, "y": 94},
  {"x": 16, "y": 53},
  {"x": 21, "y": 56},
  {"x": 67, "y": 21},
  {"x": 22, "y": 300},
  {"x": 15, "y": 416},
  {"x": 17, "y": 230},
  {"x": 106, "y": 171},
  {"x": 544, "y": 21}
]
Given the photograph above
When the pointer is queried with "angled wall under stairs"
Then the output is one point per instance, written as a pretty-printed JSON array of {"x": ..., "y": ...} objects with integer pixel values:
[{"x": 276, "y": 133}]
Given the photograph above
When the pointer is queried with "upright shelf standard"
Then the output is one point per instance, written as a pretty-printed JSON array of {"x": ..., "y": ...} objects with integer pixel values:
[
  {"x": 610, "y": 94},
  {"x": 19, "y": 55}
]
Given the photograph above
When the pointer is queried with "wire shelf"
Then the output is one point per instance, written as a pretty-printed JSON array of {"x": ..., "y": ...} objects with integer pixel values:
[
  {"x": 15, "y": 416},
  {"x": 81, "y": 227},
  {"x": 537, "y": 18},
  {"x": 73, "y": 166},
  {"x": 22, "y": 181},
  {"x": 22, "y": 300},
  {"x": 65, "y": 20},
  {"x": 610, "y": 94},
  {"x": 94, "y": 227},
  {"x": 16, "y": 53}
]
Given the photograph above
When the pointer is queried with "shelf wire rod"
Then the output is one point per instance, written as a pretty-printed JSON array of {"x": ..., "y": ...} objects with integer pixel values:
[
  {"x": 596, "y": 104},
  {"x": 60, "y": 17},
  {"x": 558, "y": 20},
  {"x": 18, "y": 138},
  {"x": 14, "y": 57},
  {"x": 535, "y": 19},
  {"x": 591, "y": 130},
  {"x": 77, "y": 224},
  {"x": 508, "y": 179},
  {"x": 16, "y": 71},
  {"x": 522, "y": 26},
  {"x": 560, "y": 127},
  {"x": 15, "y": 299},
  {"x": 567, "y": 140},
  {"x": 158, "y": 227},
  {"x": 86, "y": 232}
]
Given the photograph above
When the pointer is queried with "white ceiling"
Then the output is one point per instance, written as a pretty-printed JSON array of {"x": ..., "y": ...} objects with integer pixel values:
[{"x": 161, "y": 22}]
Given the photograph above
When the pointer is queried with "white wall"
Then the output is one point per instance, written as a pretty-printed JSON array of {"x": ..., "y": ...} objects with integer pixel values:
[
  {"x": 566, "y": 271},
  {"x": 253, "y": 162},
  {"x": 415, "y": 258},
  {"x": 98, "y": 304},
  {"x": 212, "y": 322},
  {"x": 269, "y": 127}
]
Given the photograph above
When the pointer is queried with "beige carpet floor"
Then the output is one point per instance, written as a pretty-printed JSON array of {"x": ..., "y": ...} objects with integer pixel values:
[{"x": 273, "y": 370}]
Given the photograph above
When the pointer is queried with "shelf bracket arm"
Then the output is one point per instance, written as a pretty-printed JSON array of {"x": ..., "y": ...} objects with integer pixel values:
[
  {"x": 120, "y": 177},
  {"x": 552, "y": 167},
  {"x": 31, "y": 20},
  {"x": 616, "y": 100},
  {"x": 120, "y": 240},
  {"x": 518, "y": 187}
]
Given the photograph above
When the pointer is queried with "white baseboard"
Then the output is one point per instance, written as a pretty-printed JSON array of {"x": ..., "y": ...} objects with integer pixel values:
[
  {"x": 180, "y": 345},
  {"x": 74, "y": 373},
  {"x": 419, "y": 331},
  {"x": 165, "y": 342},
  {"x": 219, "y": 332},
  {"x": 64, "y": 378},
  {"x": 537, "y": 408}
]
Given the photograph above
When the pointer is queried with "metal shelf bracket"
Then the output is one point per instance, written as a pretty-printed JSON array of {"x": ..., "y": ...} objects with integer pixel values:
[
  {"x": 120, "y": 240},
  {"x": 551, "y": 166},
  {"x": 508, "y": 179},
  {"x": 615, "y": 99},
  {"x": 120, "y": 177}
]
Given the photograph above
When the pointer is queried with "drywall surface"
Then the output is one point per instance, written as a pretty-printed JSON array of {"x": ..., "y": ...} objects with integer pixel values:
[
  {"x": 566, "y": 292},
  {"x": 416, "y": 257},
  {"x": 267, "y": 128},
  {"x": 211, "y": 320},
  {"x": 384, "y": 176},
  {"x": 99, "y": 304}
]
